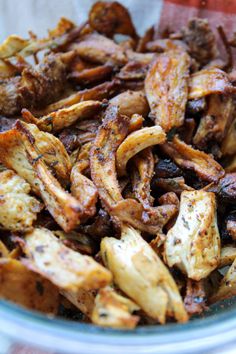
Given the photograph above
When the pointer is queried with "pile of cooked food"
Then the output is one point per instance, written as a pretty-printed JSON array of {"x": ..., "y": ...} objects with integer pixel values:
[{"x": 118, "y": 170}]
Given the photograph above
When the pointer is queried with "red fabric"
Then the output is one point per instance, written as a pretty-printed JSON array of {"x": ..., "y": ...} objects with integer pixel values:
[
  {"x": 176, "y": 13},
  {"x": 226, "y": 6}
]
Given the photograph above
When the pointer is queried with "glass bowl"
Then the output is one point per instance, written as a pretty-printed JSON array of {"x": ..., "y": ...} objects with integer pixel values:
[{"x": 214, "y": 330}]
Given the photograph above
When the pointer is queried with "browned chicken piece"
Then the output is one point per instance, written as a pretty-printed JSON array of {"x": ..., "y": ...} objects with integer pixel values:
[
  {"x": 110, "y": 18},
  {"x": 67, "y": 269},
  {"x": 176, "y": 184},
  {"x": 228, "y": 253},
  {"x": 87, "y": 130},
  {"x": 195, "y": 298},
  {"x": 36, "y": 86},
  {"x": 64, "y": 117},
  {"x": 216, "y": 120},
  {"x": 83, "y": 156},
  {"x": 136, "y": 142},
  {"x": 136, "y": 122},
  {"x": 52, "y": 151},
  {"x": 193, "y": 243},
  {"x": 151, "y": 221},
  {"x": 133, "y": 70},
  {"x": 27, "y": 288},
  {"x": 164, "y": 45},
  {"x": 227, "y": 286},
  {"x": 131, "y": 102},
  {"x": 18, "y": 210},
  {"x": 114, "y": 310},
  {"x": 92, "y": 75},
  {"x": 77, "y": 241},
  {"x": 141, "y": 274},
  {"x": 141, "y": 175},
  {"x": 83, "y": 189},
  {"x": 136, "y": 68},
  {"x": 141, "y": 58},
  {"x": 102, "y": 159},
  {"x": 104, "y": 90},
  {"x": 105, "y": 307},
  {"x": 70, "y": 139},
  {"x": 169, "y": 198},
  {"x": 102, "y": 163},
  {"x": 209, "y": 81},
  {"x": 200, "y": 39},
  {"x": 228, "y": 146},
  {"x": 100, "y": 49},
  {"x": 18, "y": 152},
  {"x": 166, "y": 87},
  {"x": 191, "y": 159}
]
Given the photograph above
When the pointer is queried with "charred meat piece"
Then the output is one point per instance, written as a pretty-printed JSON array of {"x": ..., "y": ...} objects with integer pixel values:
[
  {"x": 36, "y": 86},
  {"x": 215, "y": 122},
  {"x": 70, "y": 139},
  {"x": 105, "y": 90},
  {"x": 110, "y": 18},
  {"x": 100, "y": 49},
  {"x": 91, "y": 75},
  {"x": 200, "y": 39}
]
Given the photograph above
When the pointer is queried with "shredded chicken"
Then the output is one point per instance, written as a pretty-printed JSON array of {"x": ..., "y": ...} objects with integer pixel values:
[
  {"x": 139, "y": 272},
  {"x": 18, "y": 210},
  {"x": 67, "y": 269},
  {"x": 187, "y": 157},
  {"x": 166, "y": 87},
  {"x": 193, "y": 243}
]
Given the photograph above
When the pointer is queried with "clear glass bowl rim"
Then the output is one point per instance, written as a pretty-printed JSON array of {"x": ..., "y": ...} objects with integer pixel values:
[{"x": 73, "y": 337}]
